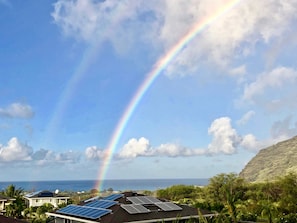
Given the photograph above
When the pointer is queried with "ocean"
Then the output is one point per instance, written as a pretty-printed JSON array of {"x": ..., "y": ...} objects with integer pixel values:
[{"x": 116, "y": 185}]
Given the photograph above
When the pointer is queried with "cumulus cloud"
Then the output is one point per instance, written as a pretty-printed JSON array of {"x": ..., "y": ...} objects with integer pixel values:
[
  {"x": 47, "y": 157},
  {"x": 15, "y": 151},
  {"x": 250, "y": 143},
  {"x": 17, "y": 110},
  {"x": 225, "y": 138},
  {"x": 174, "y": 150},
  {"x": 124, "y": 23},
  {"x": 135, "y": 148},
  {"x": 95, "y": 153},
  {"x": 142, "y": 148}
]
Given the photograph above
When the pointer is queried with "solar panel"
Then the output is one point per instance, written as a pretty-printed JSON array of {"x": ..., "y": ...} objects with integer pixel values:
[
  {"x": 101, "y": 203},
  {"x": 143, "y": 200},
  {"x": 83, "y": 211},
  {"x": 32, "y": 194},
  {"x": 114, "y": 197},
  {"x": 91, "y": 199},
  {"x": 168, "y": 206},
  {"x": 135, "y": 208}
]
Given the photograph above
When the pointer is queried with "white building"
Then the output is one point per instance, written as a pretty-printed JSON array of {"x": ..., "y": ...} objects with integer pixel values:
[
  {"x": 39, "y": 198},
  {"x": 4, "y": 201}
]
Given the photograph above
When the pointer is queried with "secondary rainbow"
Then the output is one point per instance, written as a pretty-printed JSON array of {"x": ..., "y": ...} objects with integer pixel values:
[{"x": 158, "y": 67}]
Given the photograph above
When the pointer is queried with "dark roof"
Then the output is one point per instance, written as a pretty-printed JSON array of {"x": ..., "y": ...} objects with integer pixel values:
[
  {"x": 4, "y": 219},
  {"x": 40, "y": 194},
  {"x": 156, "y": 214},
  {"x": 44, "y": 193}
]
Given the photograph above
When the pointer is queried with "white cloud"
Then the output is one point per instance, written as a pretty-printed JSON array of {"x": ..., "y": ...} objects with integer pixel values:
[
  {"x": 18, "y": 152},
  {"x": 135, "y": 148},
  {"x": 164, "y": 23},
  {"x": 15, "y": 151},
  {"x": 95, "y": 153},
  {"x": 225, "y": 138},
  {"x": 276, "y": 79},
  {"x": 284, "y": 128},
  {"x": 17, "y": 110},
  {"x": 246, "y": 117},
  {"x": 99, "y": 21},
  {"x": 250, "y": 143},
  {"x": 174, "y": 150}
]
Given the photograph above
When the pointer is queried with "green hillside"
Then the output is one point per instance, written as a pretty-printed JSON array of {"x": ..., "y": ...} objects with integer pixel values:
[{"x": 273, "y": 161}]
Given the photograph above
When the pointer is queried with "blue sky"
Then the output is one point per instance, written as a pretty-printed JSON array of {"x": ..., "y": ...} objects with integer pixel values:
[{"x": 70, "y": 68}]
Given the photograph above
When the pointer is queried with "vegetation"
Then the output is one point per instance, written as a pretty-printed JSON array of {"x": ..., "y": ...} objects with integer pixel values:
[
  {"x": 229, "y": 196},
  {"x": 17, "y": 206},
  {"x": 235, "y": 200}
]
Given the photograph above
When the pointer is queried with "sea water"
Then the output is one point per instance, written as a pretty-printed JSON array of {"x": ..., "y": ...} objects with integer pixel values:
[{"x": 116, "y": 185}]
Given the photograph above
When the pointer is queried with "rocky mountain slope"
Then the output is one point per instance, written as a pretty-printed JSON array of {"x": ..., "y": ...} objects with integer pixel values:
[{"x": 273, "y": 161}]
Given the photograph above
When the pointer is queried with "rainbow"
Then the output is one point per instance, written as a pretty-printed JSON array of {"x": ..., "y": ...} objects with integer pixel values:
[
  {"x": 87, "y": 59},
  {"x": 158, "y": 67},
  {"x": 66, "y": 95}
]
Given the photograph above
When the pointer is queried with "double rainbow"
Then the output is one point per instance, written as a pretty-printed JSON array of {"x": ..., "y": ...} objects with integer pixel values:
[{"x": 157, "y": 69}]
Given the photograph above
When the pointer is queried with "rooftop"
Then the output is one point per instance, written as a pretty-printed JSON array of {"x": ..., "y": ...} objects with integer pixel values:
[
  {"x": 40, "y": 194},
  {"x": 126, "y": 207}
]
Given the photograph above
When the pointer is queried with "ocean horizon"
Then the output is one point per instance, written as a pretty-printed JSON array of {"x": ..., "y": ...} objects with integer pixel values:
[{"x": 114, "y": 184}]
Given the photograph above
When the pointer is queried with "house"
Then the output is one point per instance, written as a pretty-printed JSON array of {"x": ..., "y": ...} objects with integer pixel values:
[
  {"x": 39, "y": 198},
  {"x": 4, "y": 201},
  {"x": 126, "y": 207}
]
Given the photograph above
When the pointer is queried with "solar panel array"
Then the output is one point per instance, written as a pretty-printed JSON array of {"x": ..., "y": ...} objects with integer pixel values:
[
  {"x": 143, "y": 200},
  {"x": 84, "y": 212},
  {"x": 135, "y": 208},
  {"x": 168, "y": 206},
  {"x": 101, "y": 203},
  {"x": 113, "y": 197}
]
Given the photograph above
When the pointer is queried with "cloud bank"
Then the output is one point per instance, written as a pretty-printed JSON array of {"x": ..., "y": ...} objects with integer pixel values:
[
  {"x": 225, "y": 141},
  {"x": 17, "y": 110},
  {"x": 160, "y": 25},
  {"x": 17, "y": 152}
]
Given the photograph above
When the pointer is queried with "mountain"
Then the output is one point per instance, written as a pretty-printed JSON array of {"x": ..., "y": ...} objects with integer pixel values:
[{"x": 271, "y": 162}]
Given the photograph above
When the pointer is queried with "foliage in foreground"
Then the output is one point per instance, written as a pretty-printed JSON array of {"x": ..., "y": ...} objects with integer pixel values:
[
  {"x": 228, "y": 196},
  {"x": 235, "y": 200}
]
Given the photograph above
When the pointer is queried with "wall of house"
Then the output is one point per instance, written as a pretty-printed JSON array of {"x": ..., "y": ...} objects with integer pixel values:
[
  {"x": 36, "y": 202},
  {"x": 2, "y": 205}
]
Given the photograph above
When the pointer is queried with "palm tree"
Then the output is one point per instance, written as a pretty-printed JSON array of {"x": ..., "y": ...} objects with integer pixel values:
[
  {"x": 268, "y": 209},
  {"x": 227, "y": 190},
  {"x": 12, "y": 192},
  {"x": 17, "y": 206}
]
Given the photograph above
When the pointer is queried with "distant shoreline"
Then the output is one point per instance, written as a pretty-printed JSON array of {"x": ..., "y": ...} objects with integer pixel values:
[{"x": 115, "y": 184}]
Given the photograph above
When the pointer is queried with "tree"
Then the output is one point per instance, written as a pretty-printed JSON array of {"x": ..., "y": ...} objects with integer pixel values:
[
  {"x": 15, "y": 208},
  {"x": 268, "y": 209},
  {"x": 288, "y": 188},
  {"x": 178, "y": 192},
  {"x": 226, "y": 190},
  {"x": 12, "y": 192}
]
